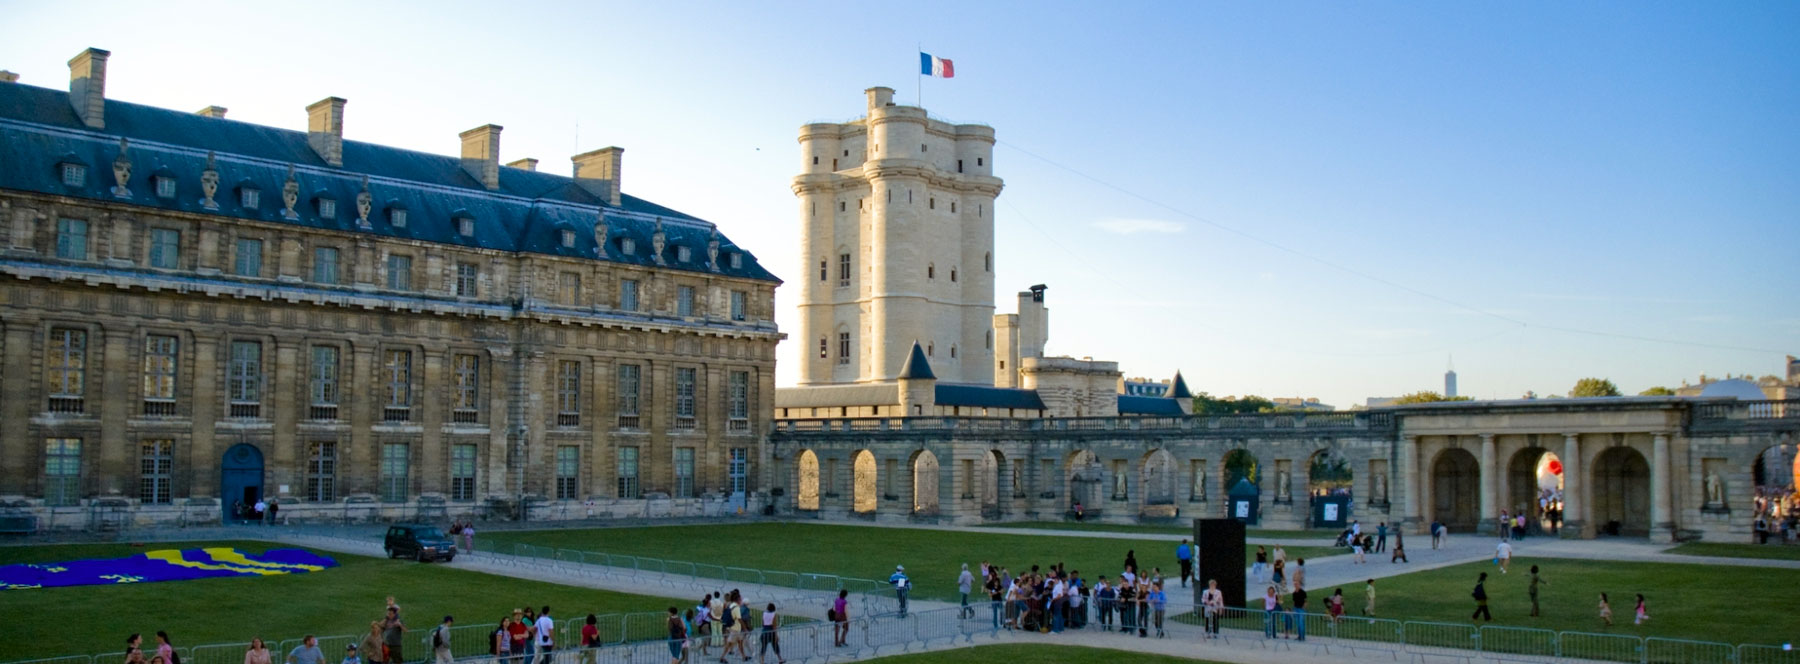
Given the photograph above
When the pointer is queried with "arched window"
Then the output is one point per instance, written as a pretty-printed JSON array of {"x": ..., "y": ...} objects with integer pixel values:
[
  {"x": 953, "y": 274},
  {"x": 930, "y": 271},
  {"x": 988, "y": 339},
  {"x": 987, "y": 262},
  {"x": 824, "y": 347},
  {"x": 952, "y": 351}
]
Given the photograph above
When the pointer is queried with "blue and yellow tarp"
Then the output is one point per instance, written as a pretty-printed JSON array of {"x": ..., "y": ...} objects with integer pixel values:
[{"x": 162, "y": 565}]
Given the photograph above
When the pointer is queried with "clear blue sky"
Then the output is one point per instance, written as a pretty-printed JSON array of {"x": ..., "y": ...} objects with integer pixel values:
[{"x": 1483, "y": 173}]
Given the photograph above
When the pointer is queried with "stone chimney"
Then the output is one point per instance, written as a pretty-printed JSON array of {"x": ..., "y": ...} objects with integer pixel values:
[
  {"x": 87, "y": 86},
  {"x": 8, "y": 77},
  {"x": 526, "y": 164},
  {"x": 598, "y": 172},
  {"x": 880, "y": 97},
  {"x": 481, "y": 154},
  {"x": 211, "y": 112},
  {"x": 325, "y": 129}
]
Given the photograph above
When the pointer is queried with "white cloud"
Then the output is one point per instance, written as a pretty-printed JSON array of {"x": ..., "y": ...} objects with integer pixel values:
[{"x": 1129, "y": 226}]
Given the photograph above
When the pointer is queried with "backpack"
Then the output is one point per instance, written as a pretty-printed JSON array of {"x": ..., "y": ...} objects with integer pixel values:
[
  {"x": 437, "y": 637},
  {"x": 730, "y": 617}
]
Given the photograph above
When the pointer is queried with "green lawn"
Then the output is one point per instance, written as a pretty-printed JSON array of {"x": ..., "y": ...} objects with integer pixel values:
[
  {"x": 1761, "y": 551},
  {"x": 1700, "y": 602},
  {"x": 933, "y": 558},
  {"x": 46, "y": 622},
  {"x": 1159, "y": 530},
  {"x": 1032, "y": 652}
]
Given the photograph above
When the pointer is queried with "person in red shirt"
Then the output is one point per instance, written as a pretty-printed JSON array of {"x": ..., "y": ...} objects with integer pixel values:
[
  {"x": 517, "y": 630},
  {"x": 590, "y": 638}
]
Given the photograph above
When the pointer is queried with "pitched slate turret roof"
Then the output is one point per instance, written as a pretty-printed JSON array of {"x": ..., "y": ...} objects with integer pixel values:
[
  {"x": 1178, "y": 389},
  {"x": 917, "y": 367},
  {"x": 39, "y": 131}
]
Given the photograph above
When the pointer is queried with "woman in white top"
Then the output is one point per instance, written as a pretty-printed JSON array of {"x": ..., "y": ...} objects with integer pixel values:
[{"x": 770, "y": 638}]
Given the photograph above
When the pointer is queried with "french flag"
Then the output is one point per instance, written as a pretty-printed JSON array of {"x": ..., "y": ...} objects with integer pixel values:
[{"x": 931, "y": 65}]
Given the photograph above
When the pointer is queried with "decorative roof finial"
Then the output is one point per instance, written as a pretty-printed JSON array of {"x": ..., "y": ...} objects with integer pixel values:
[
  {"x": 712, "y": 250},
  {"x": 364, "y": 203},
  {"x": 209, "y": 182},
  {"x": 122, "y": 170},
  {"x": 658, "y": 241},
  {"x": 290, "y": 195}
]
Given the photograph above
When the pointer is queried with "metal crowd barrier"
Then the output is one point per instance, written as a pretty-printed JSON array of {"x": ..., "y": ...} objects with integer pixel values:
[
  {"x": 1601, "y": 647},
  {"x": 1680, "y": 651},
  {"x": 1442, "y": 639}
]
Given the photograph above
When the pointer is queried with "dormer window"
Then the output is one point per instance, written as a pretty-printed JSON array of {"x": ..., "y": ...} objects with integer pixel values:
[
  {"x": 397, "y": 217},
  {"x": 249, "y": 198},
  {"x": 627, "y": 246},
  {"x": 465, "y": 226},
  {"x": 74, "y": 175},
  {"x": 568, "y": 238},
  {"x": 737, "y": 261},
  {"x": 683, "y": 254},
  {"x": 165, "y": 186},
  {"x": 327, "y": 208}
]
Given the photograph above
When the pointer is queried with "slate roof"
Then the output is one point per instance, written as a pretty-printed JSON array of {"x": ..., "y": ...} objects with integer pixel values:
[
  {"x": 917, "y": 367},
  {"x": 39, "y": 130},
  {"x": 1178, "y": 389},
  {"x": 985, "y": 396},
  {"x": 1136, "y": 405}
]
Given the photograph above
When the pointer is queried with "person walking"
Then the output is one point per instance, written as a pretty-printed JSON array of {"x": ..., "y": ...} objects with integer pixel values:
[
  {"x": 1369, "y": 599},
  {"x": 1642, "y": 611},
  {"x": 770, "y": 638},
  {"x": 1271, "y": 604},
  {"x": 1605, "y": 611},
  {"x": 1381, "y": 537},
  {"x": 1481, "y": 599},
  {"x": 715, "y": 612},
  {"x": 1505, "y": 524},
  {"x": 258, "y": 652},
  {"x": 262, "y": 511},
  {"x": 468, "y": 533},
  {"x": 546, "y": 636},
  {"x": 1159, "y": 605},
  {"x": 1437, "y": 534},
  {"x": 1399, "y": 555},
  {"x": 165, "y": 648},
  {"x": 1533, "y": 589},
  {"x": 677, "y": 635},
  {"x": 901, "y": 586},
  {"x": 1299, "y": 573},
  {"x": 590, "y": 639},
  {"x": 1334, "y": 605},
  {"x": 839, "y": 609},
  {"x": 369, "y": 647},
  {"x": 1503, "y": 555},
  {"x": 519, "y": 634},
  {"x": 307, "y": 652},
  {"x": 1184, "y": 558},
  {"x": 1357, "y": 547},
  {"x": 500, "y": 642},
  {"x": 1261, "y": 564},
  {"x": 965, "y": 582},
  {"x": 440, "y": 642},
  {"x": 393, "y": 633},
  {"x": 1212, "y": 603},
  {"x": 1278, "y": 577}
]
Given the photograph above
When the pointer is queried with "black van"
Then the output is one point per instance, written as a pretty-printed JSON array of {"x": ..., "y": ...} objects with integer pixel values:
[{"x": 419, "y": 542}]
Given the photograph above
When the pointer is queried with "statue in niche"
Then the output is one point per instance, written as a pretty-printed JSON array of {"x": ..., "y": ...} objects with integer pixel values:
[
  {"x": 658, "y": 240},
  {"x": 1381, "y": 489},
  {"x": 1200, "y": 486},
  {"x": 209, "y": 183},
  {"x": 290, "y": 196},
  {"x": 364, "y": 203},
  {"x": 1119, "y": 485},
  {"x": 1282, "y": 486},
  {"x": 1715, "y": 489},
  {"x": 600, "y": 232},
  {"x": 122, "y": 170},
  {"x": 712, "y": 250}
]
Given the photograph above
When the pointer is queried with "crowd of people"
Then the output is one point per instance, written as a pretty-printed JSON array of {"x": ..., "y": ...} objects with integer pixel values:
[{"x": 1051, "y": 599}]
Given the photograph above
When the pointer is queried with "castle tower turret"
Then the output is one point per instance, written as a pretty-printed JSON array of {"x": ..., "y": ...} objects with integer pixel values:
[{"x": 898, "y": 240}]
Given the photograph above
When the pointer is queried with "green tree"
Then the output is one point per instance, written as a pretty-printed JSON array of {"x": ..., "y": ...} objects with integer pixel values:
[
  {"x": 1425, "y": 396},
  {"x": 1594, "y": 387},
  {"x": 1658, "y": 391},
  {"x": 1206, "y": 404}
]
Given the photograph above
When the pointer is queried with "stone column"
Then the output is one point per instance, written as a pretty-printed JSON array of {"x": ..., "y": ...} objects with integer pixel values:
[
  {"x": 1409, "y": 471},
  {"x": 207, "y": 448},
  {"x": 1490, "y": 482},
  {"x": 494, "y": 481},
  {"x": 1662, "y": 524},
  {"x": 287, "y": 400},
  {"x": 117, "y": 455},
  {"x": 1574, "y": 489},
  {"x": 428, "y": 403},
  {"x": 16, "y": 446}
]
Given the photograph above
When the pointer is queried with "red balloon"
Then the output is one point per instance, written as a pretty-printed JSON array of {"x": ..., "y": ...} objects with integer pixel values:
[{"x": 1555, "y": 467}]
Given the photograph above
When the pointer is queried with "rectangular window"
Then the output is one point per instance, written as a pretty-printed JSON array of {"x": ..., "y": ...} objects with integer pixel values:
[
  {"x": 843, "y": 269},
  {"x": 394, "y": 461},
  {"x": 738, "y": 300},
  {"x": 322, "y": 383},
  {"x": 739, "y": 407},
  {"x": 466, "y": 275},
  {"x": 399, "y": 272},
  {"x": 165, "y": 248},
  {"x": 321, "y": 471},
  {"x": 568, "y": 472},
  {"x": 327, "y": 208},
  {"x": 628, "y": 472},
  {"x": 628, "y": 294},
  {"x": 397, "y": 372},
  {"x": 244, "y": 379},
  {"x": 843, "y": 348},
  {"x": 71, "y": 239},
  {"x": 684, "y": 472},
  {"x": 684, "y": 300},
  {"x": 62, "y": 471},
  {"x": 156, "y": 461},
  {"x": 629, "y": 383},
  {"x": 66, "y": 366},
  {"x": 462, "y": 472},
  {"x": 685, "y": 378},
  {"x": 248, "y": 261},
  {"x": 160, "y": 363},
  {"x": 249, "y": 199},
  {"x": 466, "y": 408},
  {"x": 568, "y": 393},
  {"x": 325, "y": 265},
  {"x": 165, "y": 187},
  {"x": 74, "y": 175},
  {"x": 568, "y": 289},
  {"x": 738, "y": 469}
]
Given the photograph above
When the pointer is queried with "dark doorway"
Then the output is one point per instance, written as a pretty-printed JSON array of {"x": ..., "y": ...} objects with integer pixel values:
[
  {"x": 1455, "y": 490},
  {"x": 240, "y": 481},
  {"x": 1621, "y": 493}
]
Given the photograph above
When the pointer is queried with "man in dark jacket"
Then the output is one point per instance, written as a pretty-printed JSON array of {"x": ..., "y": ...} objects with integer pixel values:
[{"x": 1480, "y": 595}]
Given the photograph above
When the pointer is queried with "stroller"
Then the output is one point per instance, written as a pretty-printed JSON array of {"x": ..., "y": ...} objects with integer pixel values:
[{"x": 1343, "y": 540}]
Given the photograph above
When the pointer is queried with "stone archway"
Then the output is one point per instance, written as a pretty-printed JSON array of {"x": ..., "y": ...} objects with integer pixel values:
[
  {"x": 1456, "y": 490},
  {"x": 1157, "y": 476},
  {"x": 924, "y": 467},
  {"x": 1238, "y": 464},
  {"x": 989, "y": 471},
  {"x": 862, "y": 485},
  {"x": 1775, "y": 478},
  {"x": 1084, "y": 477},
  {"x": 1328, "y": 473},
  {"x": 1533, "y": 485},
  {"x": 1621, "y": 493},
  {"x": 806, "y": 496}
]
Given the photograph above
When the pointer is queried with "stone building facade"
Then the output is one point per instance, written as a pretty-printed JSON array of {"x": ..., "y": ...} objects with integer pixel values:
[{"x": 196, "y": 312}]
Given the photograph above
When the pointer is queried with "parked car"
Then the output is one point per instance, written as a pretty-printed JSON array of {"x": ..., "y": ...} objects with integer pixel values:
[{"x": 419, "y": 542}]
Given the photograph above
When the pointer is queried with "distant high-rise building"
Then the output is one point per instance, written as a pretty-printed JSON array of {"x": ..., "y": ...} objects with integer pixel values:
[{"x": 1450, "y": 382}]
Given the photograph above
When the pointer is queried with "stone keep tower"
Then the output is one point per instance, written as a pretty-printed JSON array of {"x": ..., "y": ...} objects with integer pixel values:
[{"x": 897, "y": 212}]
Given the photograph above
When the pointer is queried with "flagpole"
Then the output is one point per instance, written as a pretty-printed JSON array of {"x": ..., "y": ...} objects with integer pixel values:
[{"x": 919, "y": 78}]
